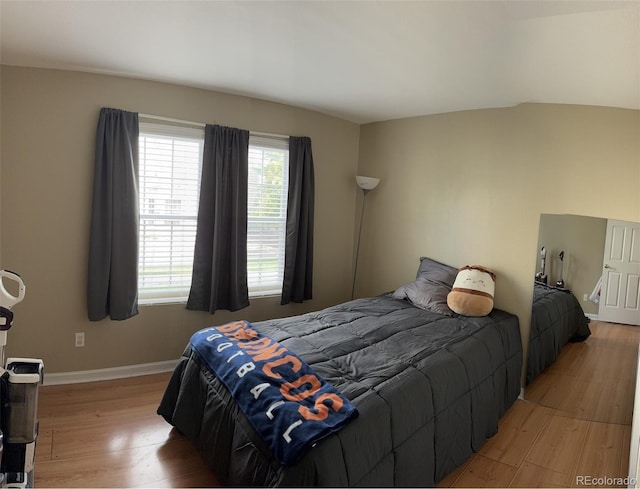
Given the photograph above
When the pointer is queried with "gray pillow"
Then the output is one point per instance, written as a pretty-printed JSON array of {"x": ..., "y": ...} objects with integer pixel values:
[
  {"x": 436, "y": 272},
  {"x": 430, "y": 289},
  {"x": 426, "y": 295}
]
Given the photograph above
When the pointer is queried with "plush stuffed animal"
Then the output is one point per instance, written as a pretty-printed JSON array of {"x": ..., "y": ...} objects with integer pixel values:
[{"x": 472, "y": 291}]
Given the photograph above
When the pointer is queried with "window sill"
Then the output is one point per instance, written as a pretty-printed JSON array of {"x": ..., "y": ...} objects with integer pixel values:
[
  {"x": 162, "y": 301},
  {"x": 165, "y": 301},
  {"x": 264, "y": 295}
]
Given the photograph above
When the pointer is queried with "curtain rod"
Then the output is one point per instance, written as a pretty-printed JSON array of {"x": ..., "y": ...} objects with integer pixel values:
[
  {"x": 202, "y": 124},
  {"x": 169, "y": 119}
]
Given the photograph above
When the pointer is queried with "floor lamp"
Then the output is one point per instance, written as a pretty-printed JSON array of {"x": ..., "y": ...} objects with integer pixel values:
[{"x": 366, "y": 184}]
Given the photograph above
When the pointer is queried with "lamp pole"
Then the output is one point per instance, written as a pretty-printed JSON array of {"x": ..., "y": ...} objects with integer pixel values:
[
  {"x": 355, "y": 271},
  {"x": 366, "y": 184}
]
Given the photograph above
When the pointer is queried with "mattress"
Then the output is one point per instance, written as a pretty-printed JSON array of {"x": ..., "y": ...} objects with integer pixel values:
[
  {"x": 556, "y": 319},
  {"x": 429, "y": 389}
]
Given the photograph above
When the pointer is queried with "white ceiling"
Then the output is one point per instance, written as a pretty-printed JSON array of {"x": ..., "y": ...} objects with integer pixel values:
[{"x": 362, "y": 61}]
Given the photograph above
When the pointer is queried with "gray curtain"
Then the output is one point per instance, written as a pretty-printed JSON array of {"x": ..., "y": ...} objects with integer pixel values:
[
  {"x": 113, "y": 245},
  {"x": 298, "y": 260},
  {"x": 219, "y": 279}
]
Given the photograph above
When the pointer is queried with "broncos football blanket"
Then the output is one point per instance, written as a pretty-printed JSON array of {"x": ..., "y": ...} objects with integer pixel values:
[{"x": 288, "y": 404}]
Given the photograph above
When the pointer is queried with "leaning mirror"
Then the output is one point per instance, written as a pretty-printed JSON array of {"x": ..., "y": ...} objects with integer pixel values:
[{"x": 585, "y": 305}]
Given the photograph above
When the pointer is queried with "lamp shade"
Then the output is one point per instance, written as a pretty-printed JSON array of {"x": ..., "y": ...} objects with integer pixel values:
[{"x": 367, "y": 183}]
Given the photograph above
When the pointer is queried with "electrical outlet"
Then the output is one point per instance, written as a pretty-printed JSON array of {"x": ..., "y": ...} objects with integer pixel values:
[
  {"x": 585, "y": 297},
  {"x": 79, "y": 339}
]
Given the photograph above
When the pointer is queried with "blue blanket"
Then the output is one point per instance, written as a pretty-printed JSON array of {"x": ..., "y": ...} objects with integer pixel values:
[{"x": 289, "y": 405}]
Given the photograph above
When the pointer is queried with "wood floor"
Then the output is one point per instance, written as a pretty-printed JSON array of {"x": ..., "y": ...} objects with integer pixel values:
[
  {"x": 576, "y": 422},
  {"x": 574, "y": 428},
  {"x": 107, "y": 434}
]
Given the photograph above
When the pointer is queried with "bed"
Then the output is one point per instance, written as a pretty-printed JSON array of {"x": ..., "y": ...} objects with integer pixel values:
[
  {"x": 429, "y": 388},
  {"x": 556, "y": 319}
]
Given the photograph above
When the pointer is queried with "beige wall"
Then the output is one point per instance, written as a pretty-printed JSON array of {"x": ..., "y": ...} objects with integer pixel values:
[
  {"x": 465, "y": 187},
  {"x": 469, "y": 188},
  {"x": 582, "y": 240},
  {"x": 48, "y": 133}
]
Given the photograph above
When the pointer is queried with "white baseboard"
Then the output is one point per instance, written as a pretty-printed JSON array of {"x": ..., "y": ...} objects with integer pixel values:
[
  {"x": 108, "y": 373},
  {"x": 593, "y": 317}
]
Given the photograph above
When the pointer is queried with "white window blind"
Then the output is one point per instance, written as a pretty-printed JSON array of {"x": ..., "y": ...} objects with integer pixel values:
[
  {"x": 170, "y": 168},
  {"x": 267, "y": 214}
]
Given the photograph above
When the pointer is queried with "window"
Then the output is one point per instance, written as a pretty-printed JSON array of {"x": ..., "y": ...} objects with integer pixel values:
[
  {"x": 170, "y": 169},
  {"x": 267, "y": 214}
]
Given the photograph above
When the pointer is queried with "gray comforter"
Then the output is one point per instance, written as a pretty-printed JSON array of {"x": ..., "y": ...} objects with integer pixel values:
[{"x": 429, "y": 388}]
